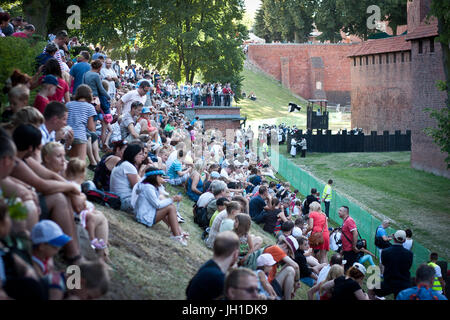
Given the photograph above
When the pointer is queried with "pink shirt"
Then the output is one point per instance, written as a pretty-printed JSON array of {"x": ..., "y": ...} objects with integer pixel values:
[{"x": 20, "y": 35}]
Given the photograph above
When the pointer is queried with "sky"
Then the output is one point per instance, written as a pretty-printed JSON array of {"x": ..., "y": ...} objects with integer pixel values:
[{"x": 252, "y": 5}]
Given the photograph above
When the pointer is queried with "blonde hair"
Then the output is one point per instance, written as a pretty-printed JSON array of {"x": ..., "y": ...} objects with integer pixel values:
[
  {"x": 315, "y": 206},
  {"x": 335, "y": 271},
  {"x": 49, "y": 149},
  {"x": 75, "y": 167},
  {"x": 27, "y": 115},
  {"x": 198, "y": 166},
  {"x": 19, "y": 92}
]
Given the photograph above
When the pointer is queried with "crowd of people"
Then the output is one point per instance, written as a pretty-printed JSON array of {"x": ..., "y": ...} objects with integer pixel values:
[{"x": 131, "y": 127}]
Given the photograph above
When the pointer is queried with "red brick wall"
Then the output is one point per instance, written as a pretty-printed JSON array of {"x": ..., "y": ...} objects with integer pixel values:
[
  {"x": 298, "y": 75},
  {"x": 222, "y": 125},
  {"x": 427, "y": 68},
  {"x": 381, "y": 93},
  {"x": 216, "y": 111}
]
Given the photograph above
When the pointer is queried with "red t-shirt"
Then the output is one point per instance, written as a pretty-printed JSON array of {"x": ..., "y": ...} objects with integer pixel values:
[
  {"x": 20, "y": 35},
  {"x": 40, "y": 103},
  {"x": 278, "y": 254},
  {"x": 347, "y": 228},
  {"x": 59, "y": 94}
]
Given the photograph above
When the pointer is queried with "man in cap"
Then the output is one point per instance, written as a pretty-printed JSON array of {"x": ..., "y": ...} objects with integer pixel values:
[{"x": 397, "y": 261}]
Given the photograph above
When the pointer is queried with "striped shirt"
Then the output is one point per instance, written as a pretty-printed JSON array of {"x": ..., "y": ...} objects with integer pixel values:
[
  {"x": 79, "y": 113},
  {"x": 46, "y": 136},
  {"x": 57, "y": 56}
]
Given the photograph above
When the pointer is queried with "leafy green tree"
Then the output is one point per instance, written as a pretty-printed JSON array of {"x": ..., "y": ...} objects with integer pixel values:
[
  {"x": 395, "y": 12},
  {"x": 328, "y": 21},
  {"x": 190, "y": 36}
]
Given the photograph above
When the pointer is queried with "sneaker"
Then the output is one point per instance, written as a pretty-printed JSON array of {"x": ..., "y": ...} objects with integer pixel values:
[
  {"x": 379, "y": 298},
  {"x": 179, "y": 239},
  {"x": 180, "y": 218}
]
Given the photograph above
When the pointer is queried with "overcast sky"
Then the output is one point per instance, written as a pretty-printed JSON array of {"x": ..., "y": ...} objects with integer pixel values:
[{"x": 252, "y": 5}]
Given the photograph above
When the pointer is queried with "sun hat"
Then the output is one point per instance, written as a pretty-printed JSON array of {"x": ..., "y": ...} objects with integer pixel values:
[
  {"x": 265, "y": 259},
  {"x": 47, "y": 231},
  {"x": 291, "y": 242}
]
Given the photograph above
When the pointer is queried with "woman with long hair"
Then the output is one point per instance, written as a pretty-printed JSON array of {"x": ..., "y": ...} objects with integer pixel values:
[
  {"x": 126, "y": 174},
  {"x": 348, "y": 287}
]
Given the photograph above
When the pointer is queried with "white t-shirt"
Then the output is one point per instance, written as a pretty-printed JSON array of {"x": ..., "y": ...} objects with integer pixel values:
[
  {"x": 119, "y": 182},
  {"x": 297, "y": 211},
  {"x": 408, "y": 244},
  {"x": 322, "y": 276},
  {"x": 105, "y": 72},
  {"x": 204, "y": 199},
  {"x": 129, "y": 98}
]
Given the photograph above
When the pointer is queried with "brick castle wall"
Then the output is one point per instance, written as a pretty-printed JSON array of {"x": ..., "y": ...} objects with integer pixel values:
[
  {"x": 427, "y": 68},
  {"x": 381, "y": 92},
  {"x": 294, "y": 66}
]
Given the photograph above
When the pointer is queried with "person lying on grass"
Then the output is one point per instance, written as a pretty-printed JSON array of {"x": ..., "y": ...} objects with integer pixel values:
[{"x": 148, "y": 207}]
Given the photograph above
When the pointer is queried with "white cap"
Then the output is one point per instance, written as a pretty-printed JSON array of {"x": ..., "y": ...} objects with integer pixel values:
[
  {"x": 400, "y": 236},
  {"x": 360, "y": 267},
  {"x": 265, "y": 259}
]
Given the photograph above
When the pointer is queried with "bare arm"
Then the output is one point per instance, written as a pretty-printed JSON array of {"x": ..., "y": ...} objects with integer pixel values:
[
  {"x": 133, "y": 179},
  {"x": 91, "y": 124},
  {"x": 288, "y": 260},
  {"x": 194, "y": 184},
  {"x": 42, "y": 171},
  {"x": 361, "y": 295}
]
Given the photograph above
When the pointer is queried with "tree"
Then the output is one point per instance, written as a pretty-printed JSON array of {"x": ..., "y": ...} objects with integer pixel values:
[
  {"x": 115, "y": 24},
  {"x": 395, "y": 12},
  {"x": 191, "y": 36},
  {"x": 328, "y": 21},
  {"x": 291, "y": 18}
]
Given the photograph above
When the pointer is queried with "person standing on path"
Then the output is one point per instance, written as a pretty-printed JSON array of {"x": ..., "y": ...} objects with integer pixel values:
[{"x": 327, "y": 197}]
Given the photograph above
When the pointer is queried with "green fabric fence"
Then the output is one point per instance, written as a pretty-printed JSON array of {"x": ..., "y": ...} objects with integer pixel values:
[{"x": 367, "y": 224}]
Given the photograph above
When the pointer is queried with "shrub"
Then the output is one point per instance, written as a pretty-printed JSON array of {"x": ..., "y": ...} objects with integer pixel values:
[{"x": 17, "y": 53}]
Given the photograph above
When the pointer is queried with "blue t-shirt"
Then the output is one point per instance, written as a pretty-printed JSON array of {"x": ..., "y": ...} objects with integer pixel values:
[
  {"x": 381, "y": 232},
  {"x": 256, "y": 206},
  {"x": 422, "y": 294},
  {"x": 174, "y": 168},
  {"x": 78, "y": 70}
]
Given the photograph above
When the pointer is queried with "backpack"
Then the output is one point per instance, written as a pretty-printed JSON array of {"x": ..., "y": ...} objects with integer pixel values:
[
  {"x": 380, "y": 243},
  {"x": 201, "y": 216},
  {"x": 104, "y": 198}
]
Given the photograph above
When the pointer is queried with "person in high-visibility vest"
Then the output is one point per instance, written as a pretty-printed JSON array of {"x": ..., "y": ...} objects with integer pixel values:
[
  {"x": 438, "y": 282},
  {"x": 327, "y": 195}
]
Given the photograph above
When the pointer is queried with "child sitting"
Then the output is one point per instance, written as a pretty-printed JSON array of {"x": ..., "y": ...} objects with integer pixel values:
[
  {"x": 220, "y": 203},
  {"x": 92, "y": 220},
  {"x": 286, "y": 229},
  {"x": 365, "y": 255},
  {"x": 94, "y": 282},
  {"x": 264, "y": 264},
  {"x": 248, "y": 243},
  {"x": 274, "y": 217},
  {"x": 48, "y": 238}
]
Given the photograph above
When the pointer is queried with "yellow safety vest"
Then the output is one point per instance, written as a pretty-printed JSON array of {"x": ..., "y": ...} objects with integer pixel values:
[
  {"x": 325, "y": 190},
  {"x": 436, "y": 283}
]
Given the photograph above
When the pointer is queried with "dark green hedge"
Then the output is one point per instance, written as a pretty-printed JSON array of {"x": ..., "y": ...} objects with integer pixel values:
[{"x": 17, "y": 53}]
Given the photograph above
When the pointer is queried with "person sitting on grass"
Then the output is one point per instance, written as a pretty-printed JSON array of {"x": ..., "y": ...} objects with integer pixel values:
[
  {"x": 248, "y": 243},
  {"x": 94, "y": 282},
  {"x": 348, "y": 287},
  {"x": 287, "y": 227},
  {"x": 232, "y": 209},
  {"x": 48, "y": 238},
  {"x": 102, "y": 174},
  {"x": 93, "y": 220},
  {"x": 308, "y": 275},
  {"x": 220, "y": 203},
  {"x": 365, "y": 255},
  {"x": 149, "y": 209},
  {"x": 264, "y": 264}
]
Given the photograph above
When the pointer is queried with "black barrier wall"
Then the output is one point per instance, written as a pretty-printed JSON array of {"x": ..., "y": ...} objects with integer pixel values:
[{"x": 350, "y": 142}]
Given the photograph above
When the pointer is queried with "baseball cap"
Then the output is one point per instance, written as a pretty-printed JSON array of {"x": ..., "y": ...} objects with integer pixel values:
[
  {"x": 51, "y": 79},
  {"x": 215, "y": 175},
  {"x": 265, "y": 259},
  {"x": 146, "y": 110},
  {"x": 400, "y": 236},
  {"x": 47, "y": 231},
  {"x": 360, "y": 267}
]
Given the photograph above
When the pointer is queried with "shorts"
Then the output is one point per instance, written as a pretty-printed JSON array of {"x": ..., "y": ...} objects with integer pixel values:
[
  {"x": 45, "y": 212},
  {"x": 79, "y": 141},
  {"x": 92, "y": 135},
  {"x": 125, "y": 205}
]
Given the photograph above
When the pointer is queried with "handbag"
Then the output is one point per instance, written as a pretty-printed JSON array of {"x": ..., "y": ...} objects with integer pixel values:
[{"x": 316, "y": 239}]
